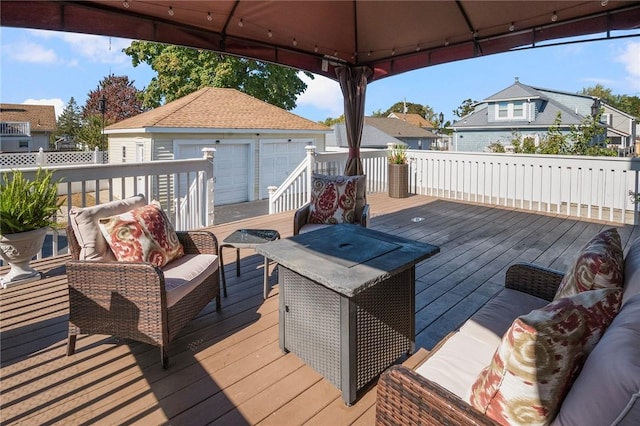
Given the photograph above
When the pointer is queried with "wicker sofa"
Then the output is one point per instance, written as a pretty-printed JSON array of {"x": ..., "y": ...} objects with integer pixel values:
[{"x": 606, "y": 391}]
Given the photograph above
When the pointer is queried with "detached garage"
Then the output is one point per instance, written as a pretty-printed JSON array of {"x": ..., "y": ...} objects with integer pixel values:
[{"x": 257, "y": 144}]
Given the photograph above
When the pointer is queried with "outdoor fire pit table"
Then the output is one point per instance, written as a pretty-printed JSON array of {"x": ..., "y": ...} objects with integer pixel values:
[
  {"x": 347, "y": 300},
  {"x": 248, "y": 238}
]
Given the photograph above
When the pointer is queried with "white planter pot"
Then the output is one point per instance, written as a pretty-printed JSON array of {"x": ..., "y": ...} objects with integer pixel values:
[{"x": 18, "y": 250}]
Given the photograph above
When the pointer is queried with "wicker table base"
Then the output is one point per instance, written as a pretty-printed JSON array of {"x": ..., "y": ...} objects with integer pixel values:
[{"x": 348, "y": 340}]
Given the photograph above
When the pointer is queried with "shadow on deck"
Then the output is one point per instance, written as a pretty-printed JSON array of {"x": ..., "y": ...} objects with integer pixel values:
[{"x": 226, "y": 367}]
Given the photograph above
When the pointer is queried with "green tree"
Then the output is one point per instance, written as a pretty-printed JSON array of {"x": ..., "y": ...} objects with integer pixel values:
[
  {"x": 424, "y": 111},
  {"x": 91, "y": 133},
  {"x": 523, "y": 145},
  {"x": 183, "y": 70},
  {"x": 588, "y": 138},
  {"x": 329, "y": 121},
  {"x": 466, "y": 108},
  {"x": 69, "y": 122},
  {"x": 625, "y": 103},
  {"x": 496, "y": 147},
  {"x": 554, "y": 142}
]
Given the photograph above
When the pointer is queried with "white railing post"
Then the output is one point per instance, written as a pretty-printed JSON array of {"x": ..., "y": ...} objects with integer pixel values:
[
  {"x": 40, "y": 157},
  {"x": 207, "y": 212},
  {"x": 96, "y": 153},
  {"x": 272, "y": 189},
  {"x": 311, "y": 152}
]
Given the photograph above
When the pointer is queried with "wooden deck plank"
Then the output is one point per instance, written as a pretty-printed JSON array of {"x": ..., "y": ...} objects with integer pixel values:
[{"x": 226, "y": 367}]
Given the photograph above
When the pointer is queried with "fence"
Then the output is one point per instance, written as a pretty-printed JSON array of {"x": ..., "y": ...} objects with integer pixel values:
[
  {"x": 86, "y": 185},
  {"x": 584, "y": 187},
  {"x": 52, "y": 158}
]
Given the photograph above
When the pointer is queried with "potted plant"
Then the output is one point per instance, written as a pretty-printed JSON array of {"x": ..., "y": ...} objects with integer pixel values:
[
  {"x": 27, "y": 211},
  {"x": 398, "y": 172}
]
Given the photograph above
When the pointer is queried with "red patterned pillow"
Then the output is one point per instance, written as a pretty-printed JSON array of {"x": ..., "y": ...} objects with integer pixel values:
[
  {"x": 333, "y": 199},
  {"x": 540, "y": 356},
  {"x": 600, "y": 264},
  {"x": 144, "y": 234}
]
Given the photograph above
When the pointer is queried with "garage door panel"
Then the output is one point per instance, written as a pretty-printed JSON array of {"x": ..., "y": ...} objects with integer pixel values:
[
  {"x": 277, "y": 160},
  {"x": 231, "y": 169}
]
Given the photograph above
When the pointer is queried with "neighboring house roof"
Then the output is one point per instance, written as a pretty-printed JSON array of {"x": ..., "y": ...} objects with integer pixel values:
[
  {"x": 398, "y": 128},
  {"x": 415, "y": 119},
  {"x": 42, "y": 118},
  {"x": 219, "y": 108},
  {"x": 544, "y": 117}
]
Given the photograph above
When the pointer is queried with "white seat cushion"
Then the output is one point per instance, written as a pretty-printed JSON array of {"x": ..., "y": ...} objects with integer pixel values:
[
  {"x": 184, "y": 274},
  {"x": 451, "y": 366}
]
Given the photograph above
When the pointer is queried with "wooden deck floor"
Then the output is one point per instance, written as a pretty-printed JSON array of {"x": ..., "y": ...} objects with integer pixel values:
[{"x": 226, "y": 367}]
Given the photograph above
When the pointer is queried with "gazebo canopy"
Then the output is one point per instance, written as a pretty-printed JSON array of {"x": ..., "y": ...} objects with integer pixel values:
[
  {"x": 354, "y": 42},
  {"x": 389, "y": 37}
]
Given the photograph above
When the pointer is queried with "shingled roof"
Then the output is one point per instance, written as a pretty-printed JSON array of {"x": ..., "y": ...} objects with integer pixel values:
[
  {"x": 42, "y": 118},
  {"x": 219, "y": 108},
  {"x": 398, "y": 128}
]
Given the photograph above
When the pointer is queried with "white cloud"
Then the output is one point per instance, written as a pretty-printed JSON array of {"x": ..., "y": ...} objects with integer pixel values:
[
  {"x": 323, "y": 94},
  {"x": 630, "y": 57},
  {"x": 58, "y": 104},
  {"x": 88, "y": 47},
  {"x": 30, "y": 52}
]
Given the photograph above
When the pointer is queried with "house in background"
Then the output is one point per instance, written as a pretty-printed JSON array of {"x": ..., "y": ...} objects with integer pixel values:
[
  {"x": 415, "y": 119},
  {"x": 257, "y": 144},
  {"x": 26, "y": 128},
  {"x": 529, "y": 112},
  {"x": 378, "y": 132}
]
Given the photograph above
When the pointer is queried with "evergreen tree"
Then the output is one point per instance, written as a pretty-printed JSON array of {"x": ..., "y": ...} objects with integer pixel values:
[{"x": 69, "y": 122}]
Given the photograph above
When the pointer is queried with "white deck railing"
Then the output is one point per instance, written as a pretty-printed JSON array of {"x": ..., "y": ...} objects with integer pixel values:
[
  {"x": 583, "y": 187},
  {"x": 184, "y": 188}
]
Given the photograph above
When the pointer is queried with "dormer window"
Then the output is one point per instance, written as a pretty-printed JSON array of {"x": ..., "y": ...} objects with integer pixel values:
[{"x": 510, "y": 110}]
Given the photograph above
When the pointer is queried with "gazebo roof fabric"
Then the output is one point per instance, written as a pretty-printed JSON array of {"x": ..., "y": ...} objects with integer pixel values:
[{"x": 390, "y": 37}]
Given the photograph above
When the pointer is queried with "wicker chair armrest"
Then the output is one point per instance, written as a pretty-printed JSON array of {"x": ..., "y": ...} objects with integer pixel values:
[
  {"x": 364, "y": 219},
  {"x": 534, "y": 280},
  {"x": 127, "y": 279},
  {"x": 198, "y": 242},
  {"x": 404, "y": 397},
  {"x": 300, "y": 218}
]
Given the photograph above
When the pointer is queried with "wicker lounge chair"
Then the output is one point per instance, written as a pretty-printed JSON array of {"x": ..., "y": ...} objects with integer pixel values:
[{"x": 140, "y": 301}]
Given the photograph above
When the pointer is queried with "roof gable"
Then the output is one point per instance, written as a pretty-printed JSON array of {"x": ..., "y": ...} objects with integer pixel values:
[
  {"x": 516, "y": 91},
  {"x": 219, "y": 108},
  {"x": 42, "y": 118},
  {"x": 413, "y": 119},
  {"x": 398, "y": 128}
]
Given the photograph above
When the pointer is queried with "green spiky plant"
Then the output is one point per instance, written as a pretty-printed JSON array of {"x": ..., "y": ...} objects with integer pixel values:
[
  {"x": 26, "y": 205},
  {"x": 398, "y": 154}
]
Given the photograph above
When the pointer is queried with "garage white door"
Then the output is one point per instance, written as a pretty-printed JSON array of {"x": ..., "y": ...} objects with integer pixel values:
[
  {"x": 278, "y": 158},
  {"x": 231, "y": 168}
]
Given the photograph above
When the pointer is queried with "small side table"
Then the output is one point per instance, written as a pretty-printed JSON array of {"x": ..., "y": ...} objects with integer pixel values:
[{"x": 248, "y": 238}]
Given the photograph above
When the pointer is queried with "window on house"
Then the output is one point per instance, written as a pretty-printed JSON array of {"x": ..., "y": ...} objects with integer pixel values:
[
  {"x": 518, "y": 109},
  {"x": 510, "y": 110},
  {"x": 124, "y": 154},
  {"x": 23, "y": 144},
  {"x": 503, "y": 110}
]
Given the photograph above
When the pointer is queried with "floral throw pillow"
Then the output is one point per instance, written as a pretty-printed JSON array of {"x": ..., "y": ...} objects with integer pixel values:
[
  {"x": 540, "y": 356},
  {"x": 333, "y": 199},
  {"x": 144, "y": 234},
  {"x": 600, "y": 264}
]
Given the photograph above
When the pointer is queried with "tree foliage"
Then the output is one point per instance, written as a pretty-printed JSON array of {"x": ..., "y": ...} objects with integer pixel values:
[
  {"x": 70, "y": 121},
  {"x": 625, "y": 103},
  {"x": 331, "y": 121},
  {"x": 183, "y": 70},
  {"x": 123, "y": 99},
  {"x": 466, "y": 108}
]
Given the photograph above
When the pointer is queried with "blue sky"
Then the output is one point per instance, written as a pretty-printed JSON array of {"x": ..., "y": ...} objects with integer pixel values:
[{"x": 44, "y": 67}]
